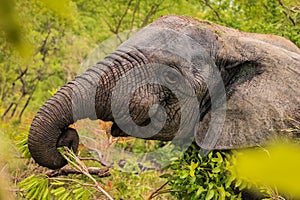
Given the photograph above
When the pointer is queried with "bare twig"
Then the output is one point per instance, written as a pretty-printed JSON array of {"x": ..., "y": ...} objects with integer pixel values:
[
  {"x": 153, "y": 10},
  {"x": 293, "y": 120},
  {"x": 214, "y": 11},
  {"x": 122, "y": 17},
  {"x": 136, "y": 8},
  {"x": 7, "y": 110},
  {"x": 14, "y": 190},
  {"x": 286, "y": 13},
  {"x": 290, "y": 18},
  {"x": 91, "y": 159},
  {"x": 22, "y": 73},
  {"x": 15, "y": 108},
  {"x": 100, "y": 158},
  {"x": 112, "y": 18},
  {"x": 292, "y": 9},
  {"x": 28, "y": 99},
  {"x": 43, "y": 49},
  {"x": 156, "y": 192}
]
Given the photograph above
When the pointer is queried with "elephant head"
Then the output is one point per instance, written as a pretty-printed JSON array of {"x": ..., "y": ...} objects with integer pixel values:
[{"x": 256, "y": 75}]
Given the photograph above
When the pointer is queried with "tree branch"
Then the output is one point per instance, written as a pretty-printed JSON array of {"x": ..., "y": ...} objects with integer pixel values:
[
  {"x": 286, "y": 13},
  {"x": 153, "y": 10},
  {"x": 214, "y": 11},
  {"x": 29, "y": 98},
  {"x": 80, "y": 166},
  {"x": 136, "y": 7},
  {"x": 7, "y": 110},
  {"x": 43, "y": 49},
  {"x": 100, "y": 172},
  {"x": 122, "y": 17},
  {"x": 156, "y": 192},
  {"x": 22, "y": 73}
]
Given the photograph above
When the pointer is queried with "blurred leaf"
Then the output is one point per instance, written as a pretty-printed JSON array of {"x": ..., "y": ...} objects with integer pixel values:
[
  {"x": 199, "y": 191},
  {"x": 61, "y": 7},
  {"x": 210, "y": 194},
  {"x": 12, "y": 29},
  {"x": 277, "y": 165}
]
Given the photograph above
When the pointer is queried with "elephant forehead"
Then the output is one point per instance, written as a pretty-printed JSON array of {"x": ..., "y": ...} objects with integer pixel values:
[{"x": 157, "y": 38}]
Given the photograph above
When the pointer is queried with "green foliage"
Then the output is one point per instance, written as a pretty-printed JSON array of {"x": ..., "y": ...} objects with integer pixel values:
[
  {"x": 194, "y": 177},
  {"x": 279, "y": 17},
  {"x": 36, "y": 187},
  {"x": 85, "y": 186},
  {"x": 22, "y": 146},
  {"x": 42, "y": 187},
  {"x": 119, "y": 185}
]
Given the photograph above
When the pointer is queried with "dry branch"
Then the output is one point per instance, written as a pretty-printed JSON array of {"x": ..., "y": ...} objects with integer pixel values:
[
  {"x": 287, "y": 13},
  {"x": 100, "y": 172},
  {"x": 157, "y": 191},
  {"x": 206, "y": 2}
]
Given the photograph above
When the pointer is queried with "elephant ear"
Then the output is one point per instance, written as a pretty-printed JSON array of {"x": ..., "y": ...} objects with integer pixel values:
[{"x": 262, "y": 89}]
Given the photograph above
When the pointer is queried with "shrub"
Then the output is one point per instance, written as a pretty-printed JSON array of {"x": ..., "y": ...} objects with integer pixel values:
[{"x": 209, "y": 177}]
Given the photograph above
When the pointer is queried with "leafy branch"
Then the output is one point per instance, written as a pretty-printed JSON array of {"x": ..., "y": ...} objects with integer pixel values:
[{"x": 75, "y": 162}]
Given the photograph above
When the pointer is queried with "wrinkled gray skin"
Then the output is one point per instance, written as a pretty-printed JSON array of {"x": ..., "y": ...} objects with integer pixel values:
[{"x": 261, "y": 75}]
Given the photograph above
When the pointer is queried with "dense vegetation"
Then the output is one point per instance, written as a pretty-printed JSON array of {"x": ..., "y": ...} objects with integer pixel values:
[{"x": 43, "y": 44}]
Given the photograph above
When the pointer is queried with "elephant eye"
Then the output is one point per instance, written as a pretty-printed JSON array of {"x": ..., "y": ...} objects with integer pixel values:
[{"x": 170, "y": 77}]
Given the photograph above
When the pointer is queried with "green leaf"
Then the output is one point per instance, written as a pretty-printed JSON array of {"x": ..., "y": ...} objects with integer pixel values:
[
  {"x": 216, "y": 170},
  {"x": 200, "y": 191},
  {"x": 238, "y": 183},
  {"x": 229, "y": 181},
  {"x": 184, "y": 175},
  {"x": 58, "y": 183},
  {"x": 28, "y": 185},
  {"x": 58, "y": 191},
  {"x": 193, "y": 166},
  {"x": 65, "y": 196},
  {"x": 219, "y": 158},
  {"x": 78, "y": 190},
  {"x": 46, "y": 194},
  {"x": 80, "y": 193},
  {"x": 222, "y": 194},
  {"x": 210, "y": 194},
  {"x": 30, "y": 194}
]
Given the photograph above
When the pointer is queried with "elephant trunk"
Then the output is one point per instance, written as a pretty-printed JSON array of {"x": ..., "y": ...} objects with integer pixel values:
[
  {"x": 88, "y": 96},
  {"x": 49, "y": 128}
]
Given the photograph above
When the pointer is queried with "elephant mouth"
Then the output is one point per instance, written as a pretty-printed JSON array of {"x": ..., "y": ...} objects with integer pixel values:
[
  {"x": 117, "y": 132},
  {"x": 68, "y": 138}
]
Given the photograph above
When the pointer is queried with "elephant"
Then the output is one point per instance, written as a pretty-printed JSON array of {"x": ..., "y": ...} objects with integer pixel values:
[{"x": 256, "y": 75}]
